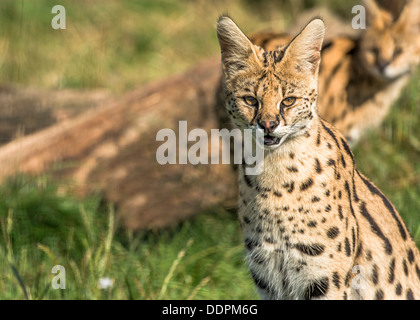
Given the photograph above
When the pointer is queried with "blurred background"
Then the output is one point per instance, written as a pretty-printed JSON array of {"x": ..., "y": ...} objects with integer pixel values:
[{"x": 109, "y": 48}]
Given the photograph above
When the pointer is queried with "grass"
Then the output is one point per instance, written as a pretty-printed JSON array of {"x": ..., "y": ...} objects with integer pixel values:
[
  {"x": 123, "y": 45},
  {"x": 190, "y": 261},
  {"x": 390, "y": 156}
]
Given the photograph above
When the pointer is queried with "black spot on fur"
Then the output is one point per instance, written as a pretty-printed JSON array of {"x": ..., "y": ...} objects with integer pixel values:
[
  {"x": 258, "y": 259},
  {"x": 327, "y": 45},
  {"x": 291, "y": 187},
  {"x": 347, "y": 188},
  {"x": 333, "y": 232},
  {"x": 336, "y": 280},
  {"x": 375, "y": 228},
  {"x": 307, "y": 184},
  {"x": 259, "y": 282},
  {"x": 340, "y": 212},
  {"x": 353, "y": 239},
  {"x": 251, "y": 244},
  {"x": 387, "y": 204},
  {"x": 318, "y": 138},
  {"x": 375, "y": 275},
  {"x": 331, "y": 162},
  {"x": 355, "y": 196},
  {"x": 343, "y": 162},
  {"x": 248, "y": 181},
  {"x": 269, "y": 240},
  {"x": 410, "y": 256},
  {"x": 391, "y": 271},
  {"x": 398, "y": 289},
  {"x": 405, "y": 267},
  {"x": 347, "y": 247},
  {"x": 311, "y": 250},
  {"x": 359, "y": 250},
  {"x": 347, "y": 149},
  {"x": 328, "y": 130},
  {"x": 347, "y": 279},
  {"x": 292, "y": 169},
  {"x": 312, "y": 224},
  {"x": 410, "y": 295},
  {"x": 379, "y": 295},
  {"x": 315, "y": 199},
  {"x": 333, "y": 73},
  {"x": 317, "y": 289},
  {"x": 318, "y": 168},
  {"x": 418, "y": 271},
  {"x": 277, "y": 193}
]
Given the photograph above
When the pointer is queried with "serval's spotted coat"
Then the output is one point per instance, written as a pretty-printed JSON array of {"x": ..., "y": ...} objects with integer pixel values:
[{"x": 314, "y": 226}]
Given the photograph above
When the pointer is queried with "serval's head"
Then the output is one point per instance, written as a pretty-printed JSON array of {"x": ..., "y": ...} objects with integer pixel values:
[
  {"x": 275, "y": 91},
  {"x": 390, "y": 45}
]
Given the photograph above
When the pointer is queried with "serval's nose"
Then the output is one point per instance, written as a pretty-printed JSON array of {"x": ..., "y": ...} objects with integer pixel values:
[
  {"x": 268, "y": 126},
  {"x": 381, "y": 64}
]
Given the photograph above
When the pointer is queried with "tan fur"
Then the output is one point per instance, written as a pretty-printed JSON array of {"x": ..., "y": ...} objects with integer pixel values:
[
  {"x": 355, "y": 96},
  {"x": 314, "y": 226}
]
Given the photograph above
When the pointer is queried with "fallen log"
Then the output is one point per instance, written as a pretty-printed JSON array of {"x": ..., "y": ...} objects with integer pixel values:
[
  {"x": 112, "y": 149},
  {"x": 24, "y": 111}
]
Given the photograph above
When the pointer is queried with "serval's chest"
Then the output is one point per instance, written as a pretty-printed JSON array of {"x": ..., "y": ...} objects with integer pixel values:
[{"x": 291, "y": 225}]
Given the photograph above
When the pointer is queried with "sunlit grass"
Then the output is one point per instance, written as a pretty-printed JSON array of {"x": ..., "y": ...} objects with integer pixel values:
[
  {"x": 192, "y": 261},
  {"x": 121, "y": 44},
  {"x": 390, "y": 156},
  {"x": 115, "y": 44}
]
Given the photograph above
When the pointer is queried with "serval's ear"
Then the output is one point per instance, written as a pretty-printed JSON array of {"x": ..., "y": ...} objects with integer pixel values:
[
  {"x": 375, "y": 16},
  {"x": 304, "y": 51},
  {"x": 409, "y": 19},
  {"x": 237, "y": 51}
]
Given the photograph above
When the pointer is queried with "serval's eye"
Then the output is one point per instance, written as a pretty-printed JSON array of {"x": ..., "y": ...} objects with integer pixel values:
[
  {"x": 288, "y": 101},
  {"x": 374, "y": 51},
  {"x": 251, "y": 101},
  {"x": 397, "y": 52}
]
